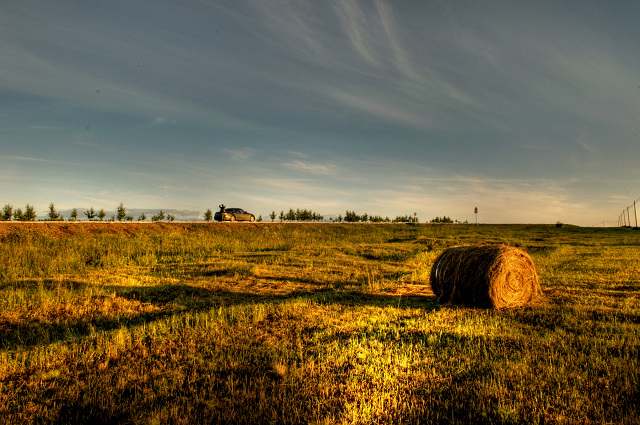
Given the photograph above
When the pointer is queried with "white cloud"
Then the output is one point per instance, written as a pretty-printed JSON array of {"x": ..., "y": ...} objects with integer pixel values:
[
  {"x": 356, "y": 24},
  {"x": 241, "y": 155},
  {"x": 159, "y": 121},
  {"x": 310, "y": 167},
  {"x": 381, "y": 108}
]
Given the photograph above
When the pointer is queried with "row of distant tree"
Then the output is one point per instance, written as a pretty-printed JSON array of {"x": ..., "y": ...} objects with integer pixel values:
[
  {"x": 297, "y": 215},
  {"x": 29, "y": 214},
  {"x": 349, "y": 217},
  {"x": 353, "y": 217},
  {"x": 445, "y": 219},
  {"x": 8, "y": 213}
]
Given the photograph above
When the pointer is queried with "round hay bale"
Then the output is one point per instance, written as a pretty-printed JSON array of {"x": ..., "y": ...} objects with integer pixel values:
[{"x": 487, "y": 276}]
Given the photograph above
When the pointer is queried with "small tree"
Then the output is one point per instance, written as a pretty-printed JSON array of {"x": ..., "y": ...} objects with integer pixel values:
[
  {"x": 208, "y": 215},
  {"x": 281, "y": 216},
  {"x": 272, "y": 216},
  {"x": 351, "y": 217},
  {"x": 7, "y": 213},
  {"x": 291, "y": 215},
  {"x": 53, "y": 214},
  {"x": 158, "y": 217},
  {"x": 102, "y": 214},
  {"x": 18, "y": 215},
  {"x": 91, "y": 214},
  {"x": 142, "y": 217},
  {"x": 74, "y": 215},
  {"x": 29, "y": 213},
  {"x": 259, "y": 219},
  {"x": 171, "y": 217},
  {"x": 121, "y": 214}
]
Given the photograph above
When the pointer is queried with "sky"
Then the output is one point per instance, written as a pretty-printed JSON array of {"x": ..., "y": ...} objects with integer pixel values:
[{"x": 527, "y": 110}]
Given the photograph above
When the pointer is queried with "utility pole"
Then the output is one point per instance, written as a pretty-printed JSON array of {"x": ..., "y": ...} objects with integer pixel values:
[{"x": 635, "y": 213}]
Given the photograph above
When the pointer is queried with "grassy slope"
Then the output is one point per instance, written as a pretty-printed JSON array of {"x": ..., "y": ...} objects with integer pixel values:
[{"x": 297, "y": 323}]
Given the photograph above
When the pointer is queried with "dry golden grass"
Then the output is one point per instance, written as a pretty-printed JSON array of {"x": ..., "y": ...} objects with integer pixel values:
[{"x": 309, "y": 323}]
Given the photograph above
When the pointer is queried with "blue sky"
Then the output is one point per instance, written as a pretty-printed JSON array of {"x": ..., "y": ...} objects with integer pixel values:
[{"x": 529, "y": 110}]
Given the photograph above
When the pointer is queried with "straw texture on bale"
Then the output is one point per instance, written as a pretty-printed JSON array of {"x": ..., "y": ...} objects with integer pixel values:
[{"x": 486, "y": 276}]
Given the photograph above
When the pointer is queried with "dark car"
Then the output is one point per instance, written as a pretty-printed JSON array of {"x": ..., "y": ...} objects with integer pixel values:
[{"x": 234, "y": 214}]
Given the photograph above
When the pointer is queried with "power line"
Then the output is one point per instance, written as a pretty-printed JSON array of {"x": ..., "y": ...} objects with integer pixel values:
[
  {"x": 604, "y": 223},
  {"x": 624, "y": 220}
]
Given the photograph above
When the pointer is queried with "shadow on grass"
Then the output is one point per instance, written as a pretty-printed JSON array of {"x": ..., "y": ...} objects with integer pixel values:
[
  {"x": 46, "y": 284},
  {"x": 243, "y": 271},
  {"x": 166, "y": 300},
  {"x": 567, "y": 318}
]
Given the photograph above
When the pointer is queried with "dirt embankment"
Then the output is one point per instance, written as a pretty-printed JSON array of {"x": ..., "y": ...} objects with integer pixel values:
[
  {"x": 74, "y": 228},
  {"x": 78, "y": 228}
]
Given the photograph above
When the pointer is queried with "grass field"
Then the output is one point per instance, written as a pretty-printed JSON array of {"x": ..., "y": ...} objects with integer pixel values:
[{"x": 309, "y": 323}]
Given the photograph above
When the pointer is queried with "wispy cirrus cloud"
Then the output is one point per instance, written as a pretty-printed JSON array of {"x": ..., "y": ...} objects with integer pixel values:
[
  {"x": 382, "y": 108},
  {"x": 12, "y": 159},
  {"x": 242, "y": 155},
  {"x": 310, "y": 167}
]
